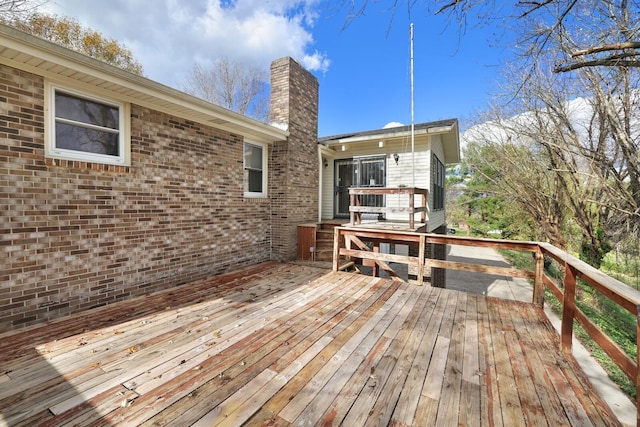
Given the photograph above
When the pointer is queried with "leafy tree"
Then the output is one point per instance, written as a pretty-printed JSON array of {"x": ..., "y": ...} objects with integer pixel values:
[
  {"x": 232, "y": 85},
  {"x": 68, "y": 32},
  {"x": 562, "y": 161},
  {"x": 507, "y": 167},
  {"x": 565, "y": 169}
]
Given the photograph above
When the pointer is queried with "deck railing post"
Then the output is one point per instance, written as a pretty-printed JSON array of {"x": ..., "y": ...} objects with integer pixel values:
[
  {"x": 421, "y": 256},
  {"x": 352, "y": 214},
  {"x": 568, "y": 307},
  {"x": 538, "y": 284},
  {"x": 336, "y": 248}
]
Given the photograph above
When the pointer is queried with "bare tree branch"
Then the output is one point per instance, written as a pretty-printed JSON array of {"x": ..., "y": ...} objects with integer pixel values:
[
  {"x": 608, "y": 62},
  {"x": 451, "y": 5},
  {"x": 608, "y": 47},
  {"x": 232, "y": 85},
  {"x": 536, "y": 5},
  {"x": 10, "y": 9}
]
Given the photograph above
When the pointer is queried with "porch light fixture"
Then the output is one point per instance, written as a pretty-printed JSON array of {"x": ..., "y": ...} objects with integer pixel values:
[
  {"x": 325, "y": 162},
  {"x": 343, "y": 147},
  {"x": 380, "y": 144},
  {"x": 396, "y": 157}
]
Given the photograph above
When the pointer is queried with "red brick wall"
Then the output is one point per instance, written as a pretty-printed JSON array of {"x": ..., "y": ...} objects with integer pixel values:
[{"x": 75, "y": 235}]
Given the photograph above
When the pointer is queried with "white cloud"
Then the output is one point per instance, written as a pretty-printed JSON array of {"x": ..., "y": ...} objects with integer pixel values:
[
  {"x": 392, "y": 125},
  {"x": 316, "y": 62},
  {"x": 169, "y": 37}
]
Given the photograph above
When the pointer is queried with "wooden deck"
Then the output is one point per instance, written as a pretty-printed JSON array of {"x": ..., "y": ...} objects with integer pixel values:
[{"x": 286, "y": 344}]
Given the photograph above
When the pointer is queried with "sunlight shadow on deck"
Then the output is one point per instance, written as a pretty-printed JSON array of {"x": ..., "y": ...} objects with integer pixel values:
[
  {"x": 290, "y": 345},
  {"x": 79, "y": 368},
  {"x": 33, "y": 391}
]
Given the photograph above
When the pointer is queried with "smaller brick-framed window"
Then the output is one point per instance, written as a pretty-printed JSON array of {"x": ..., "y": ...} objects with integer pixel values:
[
  {"x": 255, "y": 169},
  {"x": 86, "y": 128}
]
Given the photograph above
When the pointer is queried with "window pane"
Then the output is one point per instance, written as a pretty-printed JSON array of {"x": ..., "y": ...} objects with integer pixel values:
[
  {"x": 372, "y": 173},
  {"x": 254, "y": 181},
  {"x": 82, "y": 110},
  {"x": 252, "y": 157},
  {"x": 87, "y": 140}
]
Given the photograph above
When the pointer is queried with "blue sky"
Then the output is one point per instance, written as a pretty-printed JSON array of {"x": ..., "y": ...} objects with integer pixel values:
[{"x": 363, "y": 69}]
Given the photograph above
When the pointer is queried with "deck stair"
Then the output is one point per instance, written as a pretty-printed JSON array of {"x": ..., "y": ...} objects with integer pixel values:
[
  {"x": 315, "y": 241},
  {"x": 324, "y": 241}
]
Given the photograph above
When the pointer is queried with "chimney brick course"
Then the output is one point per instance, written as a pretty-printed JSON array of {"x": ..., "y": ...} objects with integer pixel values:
[{"x": 294, "y": 171}]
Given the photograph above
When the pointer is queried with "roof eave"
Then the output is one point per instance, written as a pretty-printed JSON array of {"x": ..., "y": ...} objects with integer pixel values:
[
  {"x": 451, "y": 145},
  {"x": 450, "y": 140},
  {"x": 32, "y": 54}
]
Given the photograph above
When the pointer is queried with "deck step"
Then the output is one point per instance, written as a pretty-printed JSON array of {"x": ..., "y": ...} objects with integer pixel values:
[
  {"x": 325, "y": 254},
  {"x": 324, "y": 243}
]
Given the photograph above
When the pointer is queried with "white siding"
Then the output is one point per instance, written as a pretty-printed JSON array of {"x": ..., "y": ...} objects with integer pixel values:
[
  {"x": 327, "y": 188},
  {"x": 401, "y": 176},
  {"x": 396, "y": 175}
]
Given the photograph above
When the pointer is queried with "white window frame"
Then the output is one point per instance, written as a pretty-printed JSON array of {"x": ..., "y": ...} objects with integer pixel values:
[
  {"x": 265, "y": 166},
  {"x": 124, "y": 138}
]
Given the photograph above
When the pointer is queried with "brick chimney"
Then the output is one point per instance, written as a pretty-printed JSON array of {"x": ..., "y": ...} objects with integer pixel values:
[{"x": 293, "y": 165}]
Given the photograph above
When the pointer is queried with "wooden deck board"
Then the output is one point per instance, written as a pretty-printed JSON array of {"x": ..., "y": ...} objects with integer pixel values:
[{"x": 286, "y": 344}]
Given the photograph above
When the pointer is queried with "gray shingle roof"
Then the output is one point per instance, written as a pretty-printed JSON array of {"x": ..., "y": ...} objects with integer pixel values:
[{"x": 393, "y": 130}]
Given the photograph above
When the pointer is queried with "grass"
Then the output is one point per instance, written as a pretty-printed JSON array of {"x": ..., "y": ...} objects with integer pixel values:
[
  {"x": 616, "y": 322},
  {"x": 625, "y": 267}
]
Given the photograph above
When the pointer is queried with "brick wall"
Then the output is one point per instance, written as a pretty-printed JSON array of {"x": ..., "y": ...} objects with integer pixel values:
[
  {"x": 76, "y": 235},
  {"x": 294, "y": 179}
]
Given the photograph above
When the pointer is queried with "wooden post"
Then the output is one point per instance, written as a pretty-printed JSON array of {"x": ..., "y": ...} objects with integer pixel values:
[
  {"x": 352, "y": 214},
  {"x": 568, "y": 308},
  {"x": 538, "y": 284},
  {"x": 412, "y": 206},
  {"x": 423, "y": 215},
  {"x": 421, "y": 251},
  {"x": 336, "y": 248}
]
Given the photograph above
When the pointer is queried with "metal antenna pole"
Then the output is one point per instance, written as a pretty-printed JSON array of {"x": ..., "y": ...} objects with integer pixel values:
[{"x": 413, "y": 155}]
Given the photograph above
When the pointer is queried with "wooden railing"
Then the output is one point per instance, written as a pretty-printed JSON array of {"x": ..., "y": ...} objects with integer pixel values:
[
  {"x": 364, "y": 244},
  {"x": 356, "y": 209}
]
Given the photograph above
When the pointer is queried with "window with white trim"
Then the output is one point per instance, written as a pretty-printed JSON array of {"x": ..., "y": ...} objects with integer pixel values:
[
  {"x": 86, "y": 128},
  {"x": 255, "y": 170}
]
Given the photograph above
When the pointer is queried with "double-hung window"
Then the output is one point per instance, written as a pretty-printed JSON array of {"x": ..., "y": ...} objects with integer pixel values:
[
  {"x": 86, "y": 128},
  {"x": 438, "y": 178},
  {"x": 255, "y": 170}
]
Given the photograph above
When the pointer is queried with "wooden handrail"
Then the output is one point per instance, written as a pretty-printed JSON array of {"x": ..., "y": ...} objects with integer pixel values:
[{"x": 574, "y": 268}]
